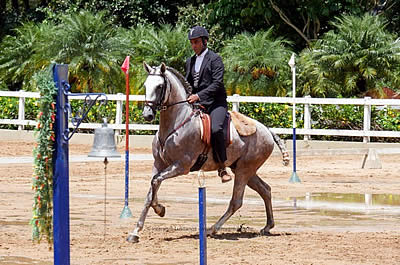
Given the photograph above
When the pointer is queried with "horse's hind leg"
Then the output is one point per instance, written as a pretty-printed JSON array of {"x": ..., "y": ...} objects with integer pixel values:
[
  {"x": 234, "y": 204},
  {"x": 262, "y": 188}
]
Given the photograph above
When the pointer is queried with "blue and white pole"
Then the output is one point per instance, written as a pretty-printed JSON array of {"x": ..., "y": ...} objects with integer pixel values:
[
  {"x": 202, "y": 219},
  {"x": 294, "y": 178}
]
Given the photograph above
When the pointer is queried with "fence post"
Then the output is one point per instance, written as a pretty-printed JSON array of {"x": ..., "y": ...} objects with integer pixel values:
[
  {"x": 367, "y": 118},
  {"x": 235, "y": 102},
  {"x": 307, "y": 118},
  {"x": 118, "y": 114},
  {"x": 21, "y": 110}
]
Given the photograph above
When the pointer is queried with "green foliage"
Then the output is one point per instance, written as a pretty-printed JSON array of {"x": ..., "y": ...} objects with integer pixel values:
[
  {"x": 236, "y": 16},
  {"x": 120, "y": 12},
  {"x": 269, "y": 114},
  {"x": 337, "y": 117},
  {"x": 42, "y": 181},
  {"x": 8, "y": 110},
  {"x": 358, "y": 56},
  {"x": 386, "y": 119},
  {"x": 257, "y": 64},
  {"x": 190, "y": 16},
  {"x": 92, "y": 50},
  {"x": 20, "y": 57},
  {"x": 155, "y": 46}
]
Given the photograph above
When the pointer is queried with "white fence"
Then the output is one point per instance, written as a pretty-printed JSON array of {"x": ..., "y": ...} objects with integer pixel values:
[{"x": 367, "y": 102}]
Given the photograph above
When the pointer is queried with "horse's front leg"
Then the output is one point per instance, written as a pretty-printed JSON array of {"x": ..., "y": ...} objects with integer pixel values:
[{"x": 151, "y": 199}]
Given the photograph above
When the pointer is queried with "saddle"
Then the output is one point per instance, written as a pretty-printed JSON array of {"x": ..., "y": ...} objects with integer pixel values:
[
  {"x": 234, "y": 120},
  {"x": 243, "y": 125}
]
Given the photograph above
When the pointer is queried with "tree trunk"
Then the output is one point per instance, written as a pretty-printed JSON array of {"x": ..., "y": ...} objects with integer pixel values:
[
  {"x": 26, "y": 5},
  {"x": 287, "y": 21},
  {"x": 15, "y": 6},
  {"x": 2, "y": 5}
]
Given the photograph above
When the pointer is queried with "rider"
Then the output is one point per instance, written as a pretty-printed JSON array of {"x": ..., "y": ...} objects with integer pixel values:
[{"x": 205, "y": 72}]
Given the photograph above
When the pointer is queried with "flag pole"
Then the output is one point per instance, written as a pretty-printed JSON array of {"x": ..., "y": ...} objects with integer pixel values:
[{"x": 126, "y": 212}]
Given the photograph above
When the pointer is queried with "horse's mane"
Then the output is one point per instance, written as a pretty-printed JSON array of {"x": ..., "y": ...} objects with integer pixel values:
[{"x": 185, "y": 83}]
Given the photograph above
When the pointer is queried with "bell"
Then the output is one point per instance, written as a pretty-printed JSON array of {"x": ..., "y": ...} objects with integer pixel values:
[{"x": 104, "y": 142}]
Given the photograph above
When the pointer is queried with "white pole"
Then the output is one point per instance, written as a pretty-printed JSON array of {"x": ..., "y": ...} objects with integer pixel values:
[
  {"x": 294, "y": 177},
  {"x": 294, "y": 93}
]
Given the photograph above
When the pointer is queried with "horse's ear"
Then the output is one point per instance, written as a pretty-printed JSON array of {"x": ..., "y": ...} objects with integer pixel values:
[
  {"x": 147, "y": 67},
  {"x": 163, "y": 68}
]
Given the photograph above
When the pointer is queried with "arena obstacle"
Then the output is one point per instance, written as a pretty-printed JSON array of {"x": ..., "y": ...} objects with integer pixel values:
[
  {"x": 202, "y": 219},
  {"x": 61, "y": 225}
]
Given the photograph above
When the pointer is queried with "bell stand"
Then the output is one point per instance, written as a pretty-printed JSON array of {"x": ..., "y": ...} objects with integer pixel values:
[{"x": 104, "y": 146}]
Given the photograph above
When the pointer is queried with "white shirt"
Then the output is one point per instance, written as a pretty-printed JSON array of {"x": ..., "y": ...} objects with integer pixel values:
[{"x": 199, "y": 60}]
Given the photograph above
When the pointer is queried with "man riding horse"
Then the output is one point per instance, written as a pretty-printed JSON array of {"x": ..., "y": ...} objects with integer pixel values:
[{"x": 205, "y": 73}]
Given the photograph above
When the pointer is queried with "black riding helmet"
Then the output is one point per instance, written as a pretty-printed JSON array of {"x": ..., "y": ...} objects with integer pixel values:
[{"x": 197, "y": 32}]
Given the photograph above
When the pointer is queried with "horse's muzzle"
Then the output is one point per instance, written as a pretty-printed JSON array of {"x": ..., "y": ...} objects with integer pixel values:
[{"x": 148, "y": 113}]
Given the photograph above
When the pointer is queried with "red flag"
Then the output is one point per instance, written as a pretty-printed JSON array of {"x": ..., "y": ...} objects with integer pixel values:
[{"x": 125, "y": 65}]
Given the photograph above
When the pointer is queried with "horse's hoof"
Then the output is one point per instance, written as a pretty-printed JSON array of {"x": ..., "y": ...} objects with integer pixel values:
[
  {"x": 265, "y": 232},
  {"x": 133, "y": 239},
  {"x": 211, "y": 231},
  {"x": 159, "y": 210},
  {"x": 162, "y": 212}
]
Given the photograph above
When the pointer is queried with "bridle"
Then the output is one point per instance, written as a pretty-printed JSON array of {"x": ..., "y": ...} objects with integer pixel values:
[{"x": 159, "y": 105}]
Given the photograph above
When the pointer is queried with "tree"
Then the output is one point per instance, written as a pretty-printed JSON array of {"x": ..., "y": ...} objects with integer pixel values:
[
  {"x": 357, "y": 56},
  {"x": 300, "y": 21},
  {"x": 19, "y": 59},
  {"x": 166, "y": 44},
  {"x": 90, "y": 45},
  {"x": 257, "y": 64}
]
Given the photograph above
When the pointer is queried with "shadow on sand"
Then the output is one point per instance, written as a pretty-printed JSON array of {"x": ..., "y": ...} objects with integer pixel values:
[{"x": 228, "y": 236}]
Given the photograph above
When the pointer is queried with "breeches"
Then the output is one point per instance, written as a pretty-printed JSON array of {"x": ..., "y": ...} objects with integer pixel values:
[{"x": 218, "y": 115}]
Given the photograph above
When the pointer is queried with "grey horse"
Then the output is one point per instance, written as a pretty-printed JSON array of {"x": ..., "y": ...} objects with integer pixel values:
[{"x": 177, "y": 145}]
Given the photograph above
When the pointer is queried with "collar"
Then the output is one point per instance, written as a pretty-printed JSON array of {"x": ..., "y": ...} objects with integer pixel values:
[{"x": 202, "y": 54}]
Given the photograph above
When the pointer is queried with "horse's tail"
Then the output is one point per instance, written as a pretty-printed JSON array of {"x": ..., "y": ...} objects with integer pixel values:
[{"x": 281, "y": 145}]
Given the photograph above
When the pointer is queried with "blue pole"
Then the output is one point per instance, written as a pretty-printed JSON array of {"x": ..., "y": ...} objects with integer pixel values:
[
  {"x": 202, "y": 226},
  {"x": 61, "y": 173},
  {"x": 294, "y": 149},
  {"x": 126, "y": 177}
]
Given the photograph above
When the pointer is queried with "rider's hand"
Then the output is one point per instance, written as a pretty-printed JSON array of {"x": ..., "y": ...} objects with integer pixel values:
[{"x": 193, "y": 98}]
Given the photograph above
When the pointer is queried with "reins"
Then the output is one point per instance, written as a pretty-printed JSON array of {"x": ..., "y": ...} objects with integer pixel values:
[{"x": 177, "y": 128}]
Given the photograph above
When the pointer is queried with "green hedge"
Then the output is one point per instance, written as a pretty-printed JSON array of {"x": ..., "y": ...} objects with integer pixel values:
[{"x": 344, "y": 117}]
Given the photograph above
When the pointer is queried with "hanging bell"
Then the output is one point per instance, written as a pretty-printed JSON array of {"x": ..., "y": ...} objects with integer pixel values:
[{"x": 104, "y": 142}]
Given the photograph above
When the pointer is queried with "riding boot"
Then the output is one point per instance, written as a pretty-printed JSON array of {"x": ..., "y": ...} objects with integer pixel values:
[{"x": 224, "y": 174}]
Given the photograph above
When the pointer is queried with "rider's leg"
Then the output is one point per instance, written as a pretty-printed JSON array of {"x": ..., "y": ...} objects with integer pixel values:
[{"x": 218, "y": 115}]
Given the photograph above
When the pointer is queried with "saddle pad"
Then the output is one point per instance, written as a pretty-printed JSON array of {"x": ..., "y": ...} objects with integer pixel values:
[
  {"x": 205, "y": 129},
  {"x": 243, "y": 124}
]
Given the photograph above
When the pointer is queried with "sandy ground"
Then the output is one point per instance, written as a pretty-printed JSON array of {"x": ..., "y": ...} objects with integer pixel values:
[{"x": 299, "y": 237}]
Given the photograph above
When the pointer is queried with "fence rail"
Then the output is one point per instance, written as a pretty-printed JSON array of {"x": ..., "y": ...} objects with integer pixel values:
[{"x": 307, "y": 101}]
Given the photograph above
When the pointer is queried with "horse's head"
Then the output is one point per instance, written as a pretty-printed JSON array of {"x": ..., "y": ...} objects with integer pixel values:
[{"x": 156, "y": 88}]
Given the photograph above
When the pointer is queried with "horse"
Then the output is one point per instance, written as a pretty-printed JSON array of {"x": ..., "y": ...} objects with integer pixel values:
[{"x": 177, "y": 146}]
